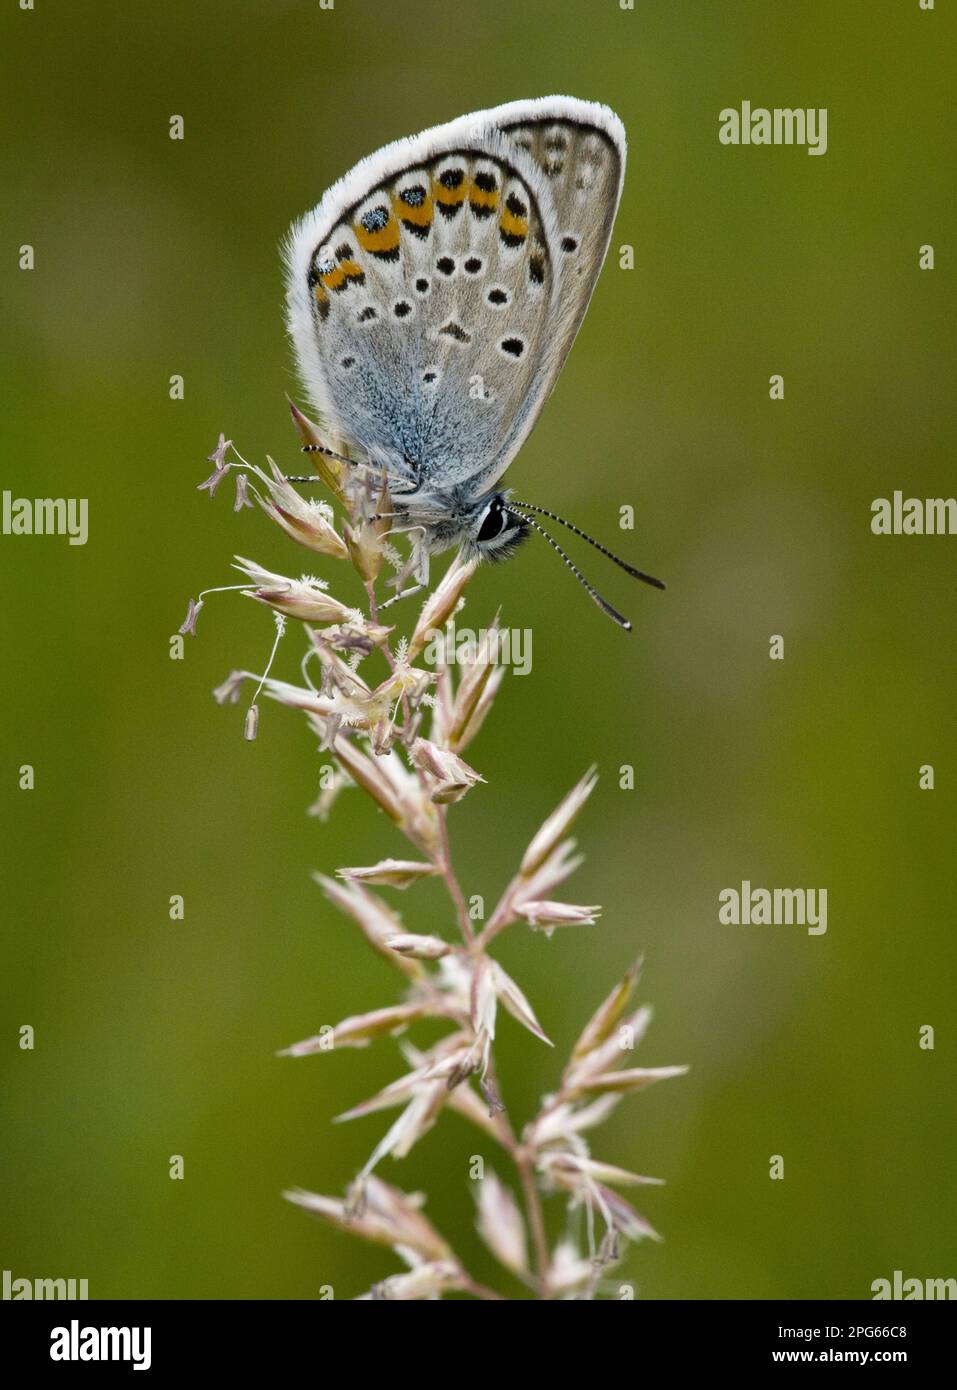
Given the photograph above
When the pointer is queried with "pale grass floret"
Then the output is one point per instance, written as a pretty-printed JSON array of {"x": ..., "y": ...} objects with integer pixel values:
[
  {"x": 391, "y": 873},
  {"x": 501, "y": 1224},
  {"x": 304, "y": 598},
  {"x": 422, "y": 947},
  {"x": 441, "y": 604},
  {"x": 396, "y": 736},
  {"x": 548, "y": 839},
  {"x": 306, "y": 520},
  {"x": 548, "y": 915}
]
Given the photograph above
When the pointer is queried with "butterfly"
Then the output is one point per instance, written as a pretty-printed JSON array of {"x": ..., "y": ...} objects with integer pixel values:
[{"x": 433, "y": 296}]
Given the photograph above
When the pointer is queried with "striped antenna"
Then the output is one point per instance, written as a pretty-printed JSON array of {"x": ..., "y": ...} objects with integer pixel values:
[
  {"x": 622, "y": 564},
  {"x": 590, "y": 589}
]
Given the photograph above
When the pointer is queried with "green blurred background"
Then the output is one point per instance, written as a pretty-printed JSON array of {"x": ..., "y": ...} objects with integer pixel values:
[{"x": 155, "y": 257}]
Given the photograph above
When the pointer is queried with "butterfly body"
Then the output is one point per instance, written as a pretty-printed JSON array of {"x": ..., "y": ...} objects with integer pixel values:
[{"x": 433, "y": 296}]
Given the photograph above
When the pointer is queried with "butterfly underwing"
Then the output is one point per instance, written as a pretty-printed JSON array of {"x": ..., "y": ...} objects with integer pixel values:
[{"x": 434, "y": 294}]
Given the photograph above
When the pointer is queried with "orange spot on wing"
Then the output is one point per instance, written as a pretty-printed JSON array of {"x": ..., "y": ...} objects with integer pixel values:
[
  {"x": 480, "y": 198},
  {"x": 338, "y": 278},
  {"x": 384, "y": 240},
  {"x": 419, "y": 217},
  {"x": 449, "y": 197},
  {"x": 512, "y": 226}
]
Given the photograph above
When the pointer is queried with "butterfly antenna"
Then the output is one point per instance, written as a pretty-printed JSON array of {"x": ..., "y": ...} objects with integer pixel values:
[
  {"x": 603, "y": 604},
  {"x": 622, "y": 564}
]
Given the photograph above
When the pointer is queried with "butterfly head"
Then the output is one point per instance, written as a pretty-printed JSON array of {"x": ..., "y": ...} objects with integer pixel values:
[
  {"x": 495, "y": 531},
  {"x": 485, "y": 527}
]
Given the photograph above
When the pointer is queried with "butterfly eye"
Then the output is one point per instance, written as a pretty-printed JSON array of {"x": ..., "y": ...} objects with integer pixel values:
[{"x": 493, "y": 523}]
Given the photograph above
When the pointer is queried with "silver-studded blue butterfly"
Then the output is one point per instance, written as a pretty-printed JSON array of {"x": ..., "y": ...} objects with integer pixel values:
[{"x": 433, "y": 296}]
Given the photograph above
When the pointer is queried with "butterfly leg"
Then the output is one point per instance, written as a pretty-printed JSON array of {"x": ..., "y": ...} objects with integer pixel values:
[
  {"x": 405, "y": 593},
  {"x": 418, "y": 566}
]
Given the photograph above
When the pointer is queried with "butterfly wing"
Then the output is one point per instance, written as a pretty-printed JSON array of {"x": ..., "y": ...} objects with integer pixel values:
[
  {"x": 435, "y": 291},
  {"x": 578, "y": 149}
]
